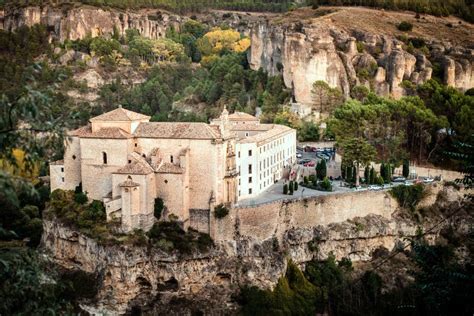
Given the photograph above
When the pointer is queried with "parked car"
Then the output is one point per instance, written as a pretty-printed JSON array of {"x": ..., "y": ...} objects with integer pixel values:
[
  {"x": 359, "y": 188},
  {"x": 408, "y": 183},
  {"x": 399, "y": 179},
  {"x": 298, "y": 155},
  {"x": 428, "y": 180},
  {"x": 375, "y": 187},
  {"x": 310, "y": 164}
]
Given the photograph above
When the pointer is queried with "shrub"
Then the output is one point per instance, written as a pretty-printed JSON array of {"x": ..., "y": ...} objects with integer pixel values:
[
  {"x": 408, "y": 196},
  {"x": 285, "y": 189},
  {"x": 305, "y": 180},
  {"x": 169, "y": 236},
  {"x": 405, "y": 26},
  {"x": 360, "y": 47},
  {"x": 80, "y": 198},
  {"x": 326, "y": 184},
  {"x": 296, "y": 186},
  {"x": 221, "y": 211},
  {"x": 290, "y": 188},
  {"x": 158, "y": 208}
]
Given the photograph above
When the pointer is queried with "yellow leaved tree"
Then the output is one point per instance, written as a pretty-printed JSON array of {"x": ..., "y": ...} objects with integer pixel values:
[{"x": 217, "y": 40}]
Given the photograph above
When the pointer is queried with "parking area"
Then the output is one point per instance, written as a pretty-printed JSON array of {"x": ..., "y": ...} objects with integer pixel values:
[{"x": 275, "y": 192}]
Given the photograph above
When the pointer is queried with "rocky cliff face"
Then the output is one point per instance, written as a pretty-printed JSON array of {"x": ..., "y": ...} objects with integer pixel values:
[
  {"x": 77, "y": 22},
  {"x": 327, "y": 49},
  {"x": 131, "y": 276},
  {"x": 345, "y": 47}
]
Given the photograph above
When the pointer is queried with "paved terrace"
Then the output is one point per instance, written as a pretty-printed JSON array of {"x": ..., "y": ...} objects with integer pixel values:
[{"x": 275, "y": 193}]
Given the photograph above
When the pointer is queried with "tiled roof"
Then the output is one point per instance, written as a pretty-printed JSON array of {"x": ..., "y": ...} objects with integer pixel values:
[
  {"x": 106, "y": 132},
  {"x": 167, "y": 167},
  {"x": 251, "y": 127},
  {"x": 241, "y": 116},
  {"x": 120, "y": 114},
  {"x": 271, "y": 134},
  {"x": 129, "y": 183},
  {"x": 136, "y": 167},
  {"x": 177, "y": 130}
]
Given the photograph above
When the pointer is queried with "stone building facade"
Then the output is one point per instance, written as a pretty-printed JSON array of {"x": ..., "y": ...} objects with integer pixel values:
[{"x": 127, "y": 162}]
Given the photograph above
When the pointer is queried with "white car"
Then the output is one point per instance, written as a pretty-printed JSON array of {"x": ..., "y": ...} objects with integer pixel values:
[
  {"x": 298, "y": 155},
  {"x": 428, "y": 180},
  {"x": 408, "y": 183},
  {"x": 375, "y": 187}
]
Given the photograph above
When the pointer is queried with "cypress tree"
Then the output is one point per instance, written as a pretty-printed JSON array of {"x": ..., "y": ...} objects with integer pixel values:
[
  {"x": 323, "y": 170},
  {"x": 406, "y": 168},
  {"x": 290, "y": 188},
  {"x": 372, "y": 176},
  {"x": 367, "y": 175},
  {"x": 382, "y": 170}
]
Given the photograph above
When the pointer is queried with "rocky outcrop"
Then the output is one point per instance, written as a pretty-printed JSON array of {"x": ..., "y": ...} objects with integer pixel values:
[
  {"x": 315, "y": 46},
  {"x": 133, "y": 275},
  {"x": 320, "y": 51},
  {"x": 71, "y": 23}
]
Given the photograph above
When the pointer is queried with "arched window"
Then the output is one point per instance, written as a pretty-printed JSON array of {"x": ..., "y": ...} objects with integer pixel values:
[{"x": 104, "y": 157}]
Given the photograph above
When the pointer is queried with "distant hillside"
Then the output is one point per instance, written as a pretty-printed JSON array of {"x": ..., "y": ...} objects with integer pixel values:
[
  {"x": 460, "y": 8},
  {"x": 180, "y": 6}
]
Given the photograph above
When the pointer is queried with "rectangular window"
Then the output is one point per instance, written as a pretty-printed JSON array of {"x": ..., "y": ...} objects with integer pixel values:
[
  {"x": 250, "y": 191},
  {"x": 62, "y": 169},
  {"x": 239, "y": 181},
  {"x": 238, "y": 154},
  {"x": 250, "y": 179},
  {"x": 250, "y": 168},
  {"x": 250, "y": 153},
  {"x": 62, "y": 179},
  {"x": 239, "y": 192}
]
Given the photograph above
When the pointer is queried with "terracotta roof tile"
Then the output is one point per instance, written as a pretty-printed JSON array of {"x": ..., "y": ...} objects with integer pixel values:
[
  {"x": 106, "y": 132},
  {"x": 269, "y": 135},
  {"x": 242, "y": 116},
  {"x": 167, "y": 167},
  {"x": 120, "y": 114},
  {"x": 136, "y": 167},
  {"x": 177, "y": 130}
]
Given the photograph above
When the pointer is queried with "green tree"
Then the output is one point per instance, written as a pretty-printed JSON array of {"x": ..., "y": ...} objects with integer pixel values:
[
  {"x": 325, "y": 98},
  {"x": 321, "y": 169},
  {"x": 406, "y": 168},
  {"x": 358, "y": 152}
]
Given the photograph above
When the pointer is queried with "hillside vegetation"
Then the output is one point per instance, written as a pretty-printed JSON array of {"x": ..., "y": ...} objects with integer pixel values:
[
  {"x": 174, "y": 5},
  {"x": 460, "y": 8}
]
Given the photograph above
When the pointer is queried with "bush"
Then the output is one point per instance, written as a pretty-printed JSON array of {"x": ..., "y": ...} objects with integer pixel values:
[
  {"x": 296, "y": 186},
  {"x": 169, "y": 237},
  {"x": 305, "y": 180},
  {"x": 221, "y": 211},
  {"x": 285, "y": 189},
  {"x": 408, "y": 196},
  {"x": 290, "y": 188},
  {"x": 326, "y": 185},
  {"x": 80, "y": 198},
  {"x": 405, "y": 26}
]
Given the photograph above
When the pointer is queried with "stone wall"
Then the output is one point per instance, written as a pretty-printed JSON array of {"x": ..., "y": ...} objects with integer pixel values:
[
  {"x": 199, "y": 220},
  {"x": 273, "y": 219}
]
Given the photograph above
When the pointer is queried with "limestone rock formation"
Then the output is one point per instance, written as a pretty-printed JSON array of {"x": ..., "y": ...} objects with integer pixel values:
[
  {"x": 145, "y": 276},
  {"x": 78, "y": 22},
  {"x": 304, "y": 46}
]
